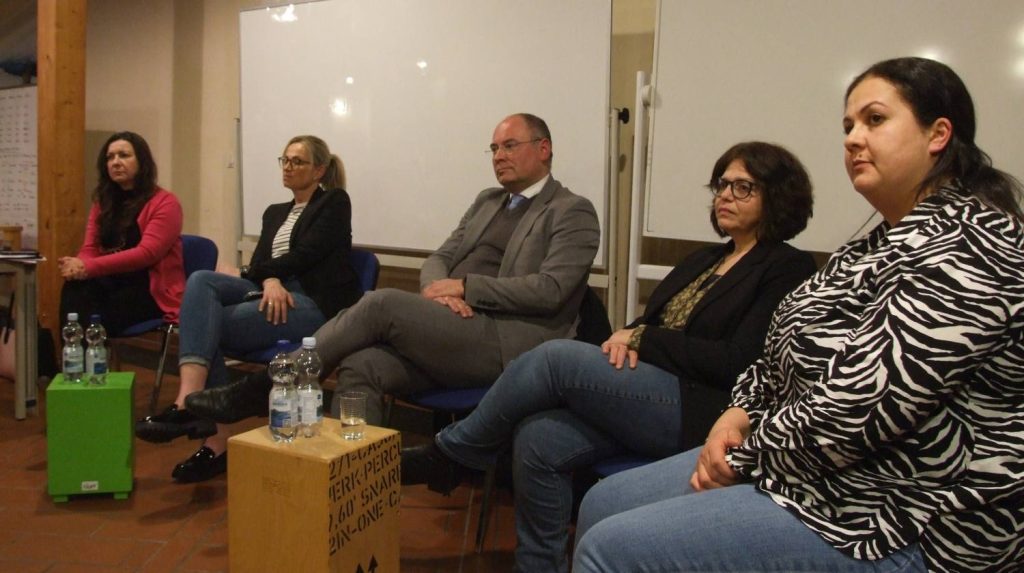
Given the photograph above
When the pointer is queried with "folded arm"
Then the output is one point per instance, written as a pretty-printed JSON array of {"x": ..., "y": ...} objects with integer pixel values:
[{"x": 161, "y": 230}]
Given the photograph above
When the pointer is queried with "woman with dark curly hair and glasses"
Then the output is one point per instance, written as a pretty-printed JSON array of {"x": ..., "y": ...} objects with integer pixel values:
[
  {"x": 883, "y": 429},
  {"x": 654, "y": 387},
  {"x": 129, "y": 268}
]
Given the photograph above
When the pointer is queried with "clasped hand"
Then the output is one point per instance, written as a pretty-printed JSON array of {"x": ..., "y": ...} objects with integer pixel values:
[
  {"x": 72, "y": 268},
  {"x": 450, "y": 293},
  {"x": 713, "y": 470},
  {"x": 618, "y": 351},
  {"x": 276, "y": 301}
]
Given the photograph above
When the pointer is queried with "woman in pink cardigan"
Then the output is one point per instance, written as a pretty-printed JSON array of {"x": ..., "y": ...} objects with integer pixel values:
[{"x": 129, "y": 268}]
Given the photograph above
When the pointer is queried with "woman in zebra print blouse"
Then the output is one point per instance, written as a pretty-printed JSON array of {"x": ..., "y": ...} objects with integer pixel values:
[{"x": 883, "y": 430}]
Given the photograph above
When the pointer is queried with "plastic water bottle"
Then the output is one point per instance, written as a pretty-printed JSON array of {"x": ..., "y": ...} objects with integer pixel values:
[
  {"x": 284, "y": 401},
  {"x": 96, "y": 351},
  {"x": 74, "y": 355},
  {"x": 311, "y": 396}
]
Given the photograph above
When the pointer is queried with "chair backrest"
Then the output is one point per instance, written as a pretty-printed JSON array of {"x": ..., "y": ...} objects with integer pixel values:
[
  {"x": 198, "y": 254},
  {"x": 367, "y": 266},
  {"x": 593, "y": 326}
]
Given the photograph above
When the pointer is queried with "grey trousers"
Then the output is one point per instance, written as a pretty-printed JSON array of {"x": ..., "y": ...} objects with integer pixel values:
[{"x": 397, "y": 342}]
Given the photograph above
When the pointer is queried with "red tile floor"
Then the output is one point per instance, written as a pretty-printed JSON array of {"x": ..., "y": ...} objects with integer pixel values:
[{"x": 168, "y": 527}]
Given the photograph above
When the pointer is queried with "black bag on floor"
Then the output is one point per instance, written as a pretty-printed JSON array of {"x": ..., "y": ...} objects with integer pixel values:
[{"x": 47, "y": 353}]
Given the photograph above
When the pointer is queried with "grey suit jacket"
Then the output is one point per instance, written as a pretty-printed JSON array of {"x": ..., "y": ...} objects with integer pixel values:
[{"x": 536, "y": 295}]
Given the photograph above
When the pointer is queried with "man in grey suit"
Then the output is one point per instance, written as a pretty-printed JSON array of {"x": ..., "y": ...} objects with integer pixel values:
[{"x": 510, "y": 276}]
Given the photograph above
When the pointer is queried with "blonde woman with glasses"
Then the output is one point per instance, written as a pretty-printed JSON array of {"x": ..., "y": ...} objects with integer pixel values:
[{"x": 298, "y": 276}]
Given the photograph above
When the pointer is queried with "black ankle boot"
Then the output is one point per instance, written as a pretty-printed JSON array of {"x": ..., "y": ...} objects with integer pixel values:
[
  {"x": 428, "y": 464},
  {"x": 200, "y": 466},
  {"x": 173, "y": 423},
  {"x": 236, "y": 401}
]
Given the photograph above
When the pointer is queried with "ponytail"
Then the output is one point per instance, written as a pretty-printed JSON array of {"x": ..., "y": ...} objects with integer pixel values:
[{"x": 334, "y": 174}]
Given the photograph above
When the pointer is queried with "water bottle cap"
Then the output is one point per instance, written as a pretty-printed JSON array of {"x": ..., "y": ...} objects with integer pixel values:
[
  {"x": 94, "y": 318},
  {"x": 72, "y": 317},
  {"x": 309, "y": 342},
  {"x": 283, "y": 343}
]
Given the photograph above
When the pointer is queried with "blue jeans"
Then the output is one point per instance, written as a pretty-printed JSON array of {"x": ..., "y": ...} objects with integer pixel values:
[
  {"x": 564, "y": 407},
  {"x": 214, "y": 318},
  {"x": 649, "y": 519}
]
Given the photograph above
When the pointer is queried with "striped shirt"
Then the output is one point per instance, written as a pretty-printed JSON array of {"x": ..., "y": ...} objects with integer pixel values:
[
  {"x": 888, "y": 407},
  {"x": 284, "y": 233}
]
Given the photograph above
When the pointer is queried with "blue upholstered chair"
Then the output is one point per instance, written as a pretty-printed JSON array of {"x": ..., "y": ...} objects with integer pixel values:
[
  {"x": 614, "y": 465},
  {"x": 367, "y": 268},
  {"x": 198, "y": 254},
  {"x": 451, "y": 404}
]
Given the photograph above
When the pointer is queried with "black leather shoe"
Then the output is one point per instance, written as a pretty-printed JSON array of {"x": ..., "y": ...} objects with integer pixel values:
[
  {"x": 201, "y": 466},
  {"x": 428, "y": 464},
  {"x": 233, "y": 402},
  {"x": 173, "y": 423}
]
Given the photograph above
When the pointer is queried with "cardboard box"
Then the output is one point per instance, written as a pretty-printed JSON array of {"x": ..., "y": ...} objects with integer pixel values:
[
  {"x": 314, "y": 505},
  {"x": 90, "y": 438}
]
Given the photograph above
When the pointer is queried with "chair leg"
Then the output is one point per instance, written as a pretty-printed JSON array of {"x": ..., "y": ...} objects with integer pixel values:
[
  {"x": 389, "y": 404},
  {"x": 167, "y": 330},
  {"x": 113, "y": 356},
  {"x": 485, "y": 507}
]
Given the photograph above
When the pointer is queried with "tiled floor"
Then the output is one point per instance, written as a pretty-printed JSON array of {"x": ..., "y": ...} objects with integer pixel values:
[{"x": 168, "y": 527}]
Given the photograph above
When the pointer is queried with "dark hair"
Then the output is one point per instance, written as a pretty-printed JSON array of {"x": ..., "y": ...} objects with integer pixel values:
[
  {"x": 334, "y": 175},
  {"x": 538, "y": 130},
  {"x": 120, "y": 207},
  {"x": 787, "y": 201},
  {"x": 933, "y": 90}
]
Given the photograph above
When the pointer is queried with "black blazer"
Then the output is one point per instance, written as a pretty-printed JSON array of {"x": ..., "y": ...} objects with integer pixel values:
[
  {"x": 725, "y": 331},
  {"x": 318, "y": 252}
]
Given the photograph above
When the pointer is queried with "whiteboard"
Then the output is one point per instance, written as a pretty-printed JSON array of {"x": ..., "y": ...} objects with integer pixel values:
[
  {"x": 778, "y": 71},
  {"x": 18, "y": 162},
  {"x": 408, "y": 92}
]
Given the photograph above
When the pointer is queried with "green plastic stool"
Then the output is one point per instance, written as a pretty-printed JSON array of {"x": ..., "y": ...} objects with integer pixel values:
[{"x": 90, "y": 440}]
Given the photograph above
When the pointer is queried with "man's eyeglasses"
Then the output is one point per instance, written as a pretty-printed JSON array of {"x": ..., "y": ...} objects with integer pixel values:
[
  {"x": 509, "y": 146},
  {"x": 294, "y": 162},
  {"x": 741, "y": 188}
]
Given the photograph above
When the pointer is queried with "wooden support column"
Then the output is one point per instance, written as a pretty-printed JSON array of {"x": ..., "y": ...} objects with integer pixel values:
[{"x": 61, "y": 109}]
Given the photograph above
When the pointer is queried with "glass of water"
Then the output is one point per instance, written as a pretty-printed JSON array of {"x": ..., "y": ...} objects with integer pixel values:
[{"x": 353, "y": 415}]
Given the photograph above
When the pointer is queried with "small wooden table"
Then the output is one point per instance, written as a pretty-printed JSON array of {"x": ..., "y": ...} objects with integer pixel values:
[{"x": 314, "y": 505}]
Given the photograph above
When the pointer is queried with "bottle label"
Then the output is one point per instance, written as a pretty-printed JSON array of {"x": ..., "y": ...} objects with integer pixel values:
[
  {"x": 73, "y": 363},
  {"x": 310, "y": 409},
  {"x": 280, "y": 418}
]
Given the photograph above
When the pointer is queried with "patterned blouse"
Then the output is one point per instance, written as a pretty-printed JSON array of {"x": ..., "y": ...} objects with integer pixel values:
[
  {"x": 678, "y": 310},
  {"x": 888, "y": 408}
]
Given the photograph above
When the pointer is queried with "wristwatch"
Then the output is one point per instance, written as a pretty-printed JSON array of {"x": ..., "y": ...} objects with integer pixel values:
[{"x": 244, "y": 271}]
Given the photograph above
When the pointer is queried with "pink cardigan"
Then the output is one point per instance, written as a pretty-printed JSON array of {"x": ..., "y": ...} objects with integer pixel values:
[{"x": 159, "y": 251}]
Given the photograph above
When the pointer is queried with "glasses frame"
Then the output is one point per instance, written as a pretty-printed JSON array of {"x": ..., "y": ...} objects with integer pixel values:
[
  {"x": 294, "y": 162},
  {"x": 719, "y": 186},
  {"x": 509, "y": 146}
]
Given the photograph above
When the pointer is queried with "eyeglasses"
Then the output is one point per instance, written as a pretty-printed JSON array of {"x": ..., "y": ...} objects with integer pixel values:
[
  {"x": 509, "y": 146},
  {"x": 741, "y": 188},
  {"x": 294, "y": 162}
]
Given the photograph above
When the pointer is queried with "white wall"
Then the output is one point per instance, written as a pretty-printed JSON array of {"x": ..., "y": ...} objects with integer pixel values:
[
  {"x": 129, "y": 74},
  {"x": 219, "y": 205},
  {"x": 131, "y": 84}
]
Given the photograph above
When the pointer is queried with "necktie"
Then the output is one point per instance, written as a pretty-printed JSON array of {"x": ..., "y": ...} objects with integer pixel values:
[{"x": 514, "y": 200}]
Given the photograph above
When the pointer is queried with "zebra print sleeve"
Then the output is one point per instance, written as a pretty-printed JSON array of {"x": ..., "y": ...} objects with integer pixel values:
[
  {"x": 888, "y": 408},
  {"x": 920, "y": 339}
]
